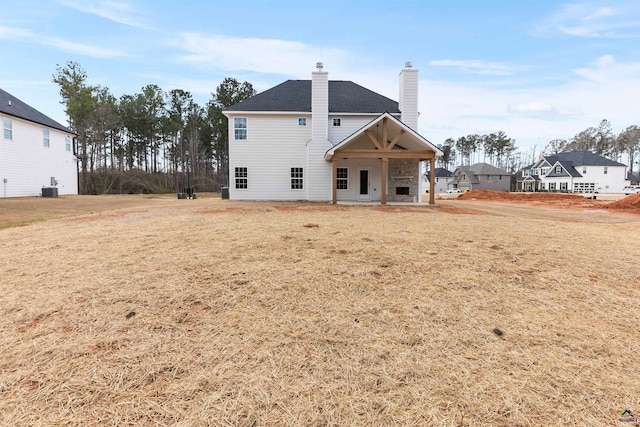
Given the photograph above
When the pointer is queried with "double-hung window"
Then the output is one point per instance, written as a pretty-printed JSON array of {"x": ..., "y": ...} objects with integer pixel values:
[
  {"x": 240, "y": 128},
  {"x": 297, "y": 178},
  {"x": 342, "y": 178},
  {"x": 45, "y": 138},
  {"x": 8, "y": 128},
  {"x": 242, "y": 178},
  {"x": 67, "y": 143}
]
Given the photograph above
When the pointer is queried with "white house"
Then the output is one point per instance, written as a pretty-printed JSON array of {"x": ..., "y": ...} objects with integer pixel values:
[
  {"x": 36, "y": 152},
  {"x": 328, "y": 140},
  {"x": 573, "y": 172},
  {"x": 443, "y": 178}
]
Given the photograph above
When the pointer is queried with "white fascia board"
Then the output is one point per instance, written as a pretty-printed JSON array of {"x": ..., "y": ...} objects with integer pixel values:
[{"x": 265, "y": 113}]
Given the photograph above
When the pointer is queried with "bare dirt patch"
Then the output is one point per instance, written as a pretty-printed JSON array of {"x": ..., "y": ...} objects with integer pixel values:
[{"x": 252, "y": 318}]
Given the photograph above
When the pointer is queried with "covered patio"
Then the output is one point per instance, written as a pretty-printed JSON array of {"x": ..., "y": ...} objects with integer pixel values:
[{"x": 385, "y": 152}]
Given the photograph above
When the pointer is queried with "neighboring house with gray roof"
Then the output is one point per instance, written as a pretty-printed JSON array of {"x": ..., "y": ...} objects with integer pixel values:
[
  {"x": 573, "y": 172},
  {"x": 36, "y": 152},
  {"x": 481, "y": 176},
  {"x": 328, "y": 140},
  {"x": 443, "y": 178}
]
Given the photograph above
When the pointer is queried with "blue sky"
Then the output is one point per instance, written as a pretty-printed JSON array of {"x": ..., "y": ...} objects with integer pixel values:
[{"x": 537, "y": 70}]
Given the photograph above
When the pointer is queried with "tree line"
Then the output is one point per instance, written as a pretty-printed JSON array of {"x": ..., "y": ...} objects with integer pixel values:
[
  {"x": 500, "y": 150},
  {"x": 153, "y": 133}
]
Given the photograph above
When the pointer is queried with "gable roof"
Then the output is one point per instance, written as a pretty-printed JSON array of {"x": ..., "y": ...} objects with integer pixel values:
[
  {"x": 441, "y": 173},
  {"x": 567, "y": 170},
  {"x": 411, "y": 139},
  {"x": 12, "y": 106},
  {"x": 295, "y": 96},
  {"x": 581, "y": 158},
  {"x": 484, "y": 169}
]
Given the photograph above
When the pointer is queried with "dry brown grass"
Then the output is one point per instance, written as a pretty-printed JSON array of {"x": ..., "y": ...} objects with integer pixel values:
[{"x": 211, "y": 312}]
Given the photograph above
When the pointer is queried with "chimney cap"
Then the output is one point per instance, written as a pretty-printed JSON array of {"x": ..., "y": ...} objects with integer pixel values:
[
  {"x": 319, "y": 66},
  {"x": 408, "y": 64}
]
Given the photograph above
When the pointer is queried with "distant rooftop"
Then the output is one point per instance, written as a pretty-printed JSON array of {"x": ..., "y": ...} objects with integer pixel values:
[{"x": 12, "y": 106}]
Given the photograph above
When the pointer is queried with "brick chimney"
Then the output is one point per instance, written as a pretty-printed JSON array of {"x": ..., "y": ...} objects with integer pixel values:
[{"x": 408, "y": 100}]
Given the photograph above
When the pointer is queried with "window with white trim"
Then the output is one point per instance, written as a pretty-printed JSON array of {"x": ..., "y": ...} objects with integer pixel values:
[
  {"x": 342, "y": 178},
  {"x": 584, "y": 169},
  {"x": 67, "y": 143},
  {"x": 8, "y": 128},
  {"x": 241, "y": 175},
  {"x": 544, "y": 171},
  {"x": 45, "y": 138},
  {"x": 558, "y": 169},
  {"x": 239, "y": 128},
  {"x": 563, "y": 186},
  {"x": 297, "y": 178},
  {"x": 605, "y": 170},
  {"x": 552, "y": 186},
  {"x": 542, "y": 186},
  {"x": 302, "y": 121},
  {"x": 337, "y": 122}
]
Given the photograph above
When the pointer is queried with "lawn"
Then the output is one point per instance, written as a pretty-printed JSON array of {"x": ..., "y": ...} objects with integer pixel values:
[{"x": 158, "y": 311}]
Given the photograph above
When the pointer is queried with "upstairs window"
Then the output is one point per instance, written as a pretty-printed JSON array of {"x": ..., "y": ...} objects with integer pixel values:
[
  {"x": 297, "y": 178},
  {"x": 241, "y": 178},
  {"x": 342, "y": 178},
  {"x": 584, "y": 169},
  {"x": 240, "y": 128},
  {"x": 67, "y": 143},
  {"x": 558, "y": 169},
  {"x": 8, "y": 128},
  {"x": 302, "y": 121},
  {"x": 606, "y": 170},
  {"x": 45, "y": 137},
  {"x": 336, "y": 122}
]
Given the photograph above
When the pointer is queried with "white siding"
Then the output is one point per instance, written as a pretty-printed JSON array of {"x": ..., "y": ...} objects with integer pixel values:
[
  {"x": 348, "y": 125},
  {"x": 611, "y": 182},
  {"x": 274, "y": 145},
  {"x": 408, "y": 99},
  {"x": 354, "y": 166},
  {"x": 28, "y": 165}
]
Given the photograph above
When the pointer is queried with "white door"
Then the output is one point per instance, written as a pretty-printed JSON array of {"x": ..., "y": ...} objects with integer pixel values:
[{"x": 363, "y": 185}]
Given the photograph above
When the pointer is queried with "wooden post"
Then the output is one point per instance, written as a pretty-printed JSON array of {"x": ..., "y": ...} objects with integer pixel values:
[
  {"x": 334, "y": 180},
  {"x": 383, "y": 187},
  {"x": 432, "y": 180}
]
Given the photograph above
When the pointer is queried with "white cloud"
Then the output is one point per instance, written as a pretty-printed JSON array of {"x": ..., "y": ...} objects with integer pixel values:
[
  {"x": 534, "y": 107},
  {"x": 254, "y": 54},
  {"x": 58, "y": 43},
  {"x": 120, "y": 12},
  {"x": 477, "y": 66},
  {"x": 591, "y": 20}
]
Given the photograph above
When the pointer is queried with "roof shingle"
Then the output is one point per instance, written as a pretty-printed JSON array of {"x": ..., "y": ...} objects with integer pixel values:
[{"x": 12, "y": 106}]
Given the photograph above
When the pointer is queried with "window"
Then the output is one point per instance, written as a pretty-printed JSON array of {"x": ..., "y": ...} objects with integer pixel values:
[
  {"x": 542, "y": 185},
  {"x": 605, "y": 170},
  {"x": 584, "y": 169},
  {"x": 45, "y": 137},
  {"x": 544, "y": 171},
  {"x": 526, "y": 172},
  {"x": 297, "y": 179},
  {"x": 488, "y": 177},
  {"x": 342, "y": 181},
  {"x": 336, "y": 122},
  {"x": 240, "y": 128},
  {"x": 302, "y": 121},
  {"x": 499, "y": 176},
  {"x": 67, "y": 143},
  {"x": 552, "y": 186},
  {"x": 8, "y": 128},
  {"x": 558, "y": 169},
  {"x": 563, "y": 186},
  {"x": 241, "y": 178}
]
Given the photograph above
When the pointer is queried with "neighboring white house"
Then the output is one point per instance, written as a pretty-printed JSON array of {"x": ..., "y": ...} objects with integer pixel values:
[
  {"x": 35, "y": 151},
  {"x": 443, "y": 178},
  {"x": 573, "y": 172},
  {"x": 328, "y": 141}
]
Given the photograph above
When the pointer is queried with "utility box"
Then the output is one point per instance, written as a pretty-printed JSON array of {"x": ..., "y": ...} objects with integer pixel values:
[
  {"x": 182, "y": 195},
  {"x": 224, "y": 192},
  {"x": 49, "y": 192}
]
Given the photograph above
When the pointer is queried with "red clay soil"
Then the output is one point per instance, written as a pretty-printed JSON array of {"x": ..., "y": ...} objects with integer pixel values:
[{"x": 630, "y": 204}]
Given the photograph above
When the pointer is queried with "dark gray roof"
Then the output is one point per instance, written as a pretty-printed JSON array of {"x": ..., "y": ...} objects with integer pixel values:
[
  {"x": 581, "y": 158},
  {"x": 443, "y": 173},
  {"x": 295, "y": 96},
  {"x": 12, "y": 106},
  {"x": 567, "y": 169},
  {"x": 485, "y": 169}
]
